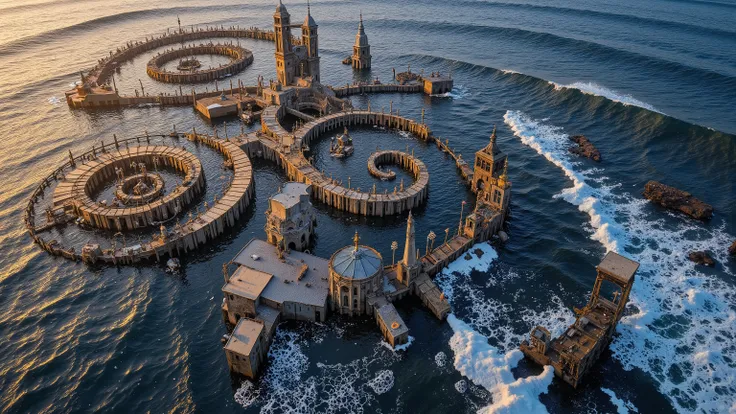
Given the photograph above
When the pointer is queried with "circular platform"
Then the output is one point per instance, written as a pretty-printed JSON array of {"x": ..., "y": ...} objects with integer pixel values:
[
  {"x": 147, "y": 209},
  {"x": 241, "y": 58},
  {"x": 140, "y": 189}
]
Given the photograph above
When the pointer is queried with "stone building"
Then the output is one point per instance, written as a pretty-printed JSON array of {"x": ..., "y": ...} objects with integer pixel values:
[
  {"x": 573, "y": 353},
  {"x": 493, "y": 192},
  {"x": 295, "y": 62},
  {"x": 356, "y": 273},
  {"x": 361, "y": 58},
  {"x": 293, "y": 283},
  {"x": 290, "y": 218}
]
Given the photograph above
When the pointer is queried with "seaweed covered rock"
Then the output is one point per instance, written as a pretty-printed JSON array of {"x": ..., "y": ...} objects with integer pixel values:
[
  {"x": 674, "y": 199},
  {"x": 585, "y": 148},
  {"x": 701, "y": 258}
]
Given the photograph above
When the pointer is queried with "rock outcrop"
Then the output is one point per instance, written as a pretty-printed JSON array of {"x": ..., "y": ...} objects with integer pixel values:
[
  {"x": 585, "y": 148},
  {"x": 701, "y": 258},
  {"x": 674, "y": 199},
  {"x": 732, "y": 249}
]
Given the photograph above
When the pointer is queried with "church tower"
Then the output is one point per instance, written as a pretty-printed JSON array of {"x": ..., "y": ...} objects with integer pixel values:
[
  {"x": 361, "y": 58},
  {"x": 310, "y": 42},
  {"x": 489, "y": 164},
  {"x": 285, "y": 57},
  {"x": 408, "y": 266}
]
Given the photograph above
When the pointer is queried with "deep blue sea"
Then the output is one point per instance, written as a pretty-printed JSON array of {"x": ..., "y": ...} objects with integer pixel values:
[{"x": 651, "y": 83}]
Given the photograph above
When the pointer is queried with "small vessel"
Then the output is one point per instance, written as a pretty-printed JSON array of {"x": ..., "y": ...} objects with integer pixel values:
[
  {"x": 348, "y": 60},
  {"x": 342, "y": 146}
]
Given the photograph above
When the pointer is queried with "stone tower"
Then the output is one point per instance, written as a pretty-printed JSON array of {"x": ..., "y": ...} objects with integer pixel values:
[
  {"x": 290, "y": 218},
  {"x": 310, "y": 42},
  {"x": 361, "y": 58},
  {"x": 286, "y": 62},
  {"x": 408, "y": 266},
  {"x": 489, "y": 163}
]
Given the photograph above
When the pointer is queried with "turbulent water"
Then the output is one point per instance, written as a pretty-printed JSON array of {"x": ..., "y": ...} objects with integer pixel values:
[{"x": 651, "y": 84}]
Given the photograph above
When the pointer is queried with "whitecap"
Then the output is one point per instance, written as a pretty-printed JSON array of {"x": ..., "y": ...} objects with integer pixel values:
[
  {"x": 684, "y": 322},
  {"x": 486, "y": 366},
  {"x": 592, "y": 88}
]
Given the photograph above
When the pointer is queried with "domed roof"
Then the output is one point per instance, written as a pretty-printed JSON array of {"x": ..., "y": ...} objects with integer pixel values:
[{"x": 356, "y": 262}]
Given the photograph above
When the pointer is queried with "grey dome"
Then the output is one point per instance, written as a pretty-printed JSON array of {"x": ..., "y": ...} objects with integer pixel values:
[{"x": 356, "y": 263}]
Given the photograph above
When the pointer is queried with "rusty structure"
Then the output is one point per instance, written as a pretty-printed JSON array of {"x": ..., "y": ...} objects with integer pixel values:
[{"x": 573, "y": 353}]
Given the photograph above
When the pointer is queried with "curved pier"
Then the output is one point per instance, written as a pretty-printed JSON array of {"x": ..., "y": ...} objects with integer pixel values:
[
  {"x": 199, "y": 230},
  {"x": 242, "y": 58},
  {"x": 402, "y": 159},
  {"x": 79, "y": 184},
  {"x": 284, "y": 149}
]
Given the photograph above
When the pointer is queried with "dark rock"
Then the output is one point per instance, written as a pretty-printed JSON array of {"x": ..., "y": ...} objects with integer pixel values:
[
  {"x": 674, "y": 199},
  {"x": 585, "y": 148},
  {"x": 701, "y": 258},
  {"x": 732, "y": 249}
]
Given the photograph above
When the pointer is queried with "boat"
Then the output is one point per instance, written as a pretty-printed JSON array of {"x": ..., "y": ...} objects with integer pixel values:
[{"x": 342, "y": 146}]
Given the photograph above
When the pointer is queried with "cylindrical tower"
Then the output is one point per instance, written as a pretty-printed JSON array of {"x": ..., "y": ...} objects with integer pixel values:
[{"x": 356, "y": 273}]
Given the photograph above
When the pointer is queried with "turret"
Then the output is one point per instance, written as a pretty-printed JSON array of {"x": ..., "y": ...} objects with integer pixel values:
[
  {"x": 408, "y": 266},
  {"x": 361, "y": 58}
]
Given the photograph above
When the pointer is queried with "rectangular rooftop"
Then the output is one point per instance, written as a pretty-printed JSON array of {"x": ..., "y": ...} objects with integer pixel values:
[
  {"x": 244, "y": 336},
  {"x": 618, "y": 266},
  {"x": 247, "y": 282},
  {"x": 285, "y": 286}
]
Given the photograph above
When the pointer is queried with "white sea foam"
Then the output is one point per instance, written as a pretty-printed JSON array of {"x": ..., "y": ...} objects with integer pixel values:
[
  {"x": 461, "y": 386},
  {"x": 402, "y": 347},
  {"x": 457, "y": 92},
  {"x": 440, "y": 359},
  {"x": 592, "y": 88},
  {"x": 341, "y": 387},
  {"x": 486, "y": 366},
  {"x": 510, "y": 72},
  {"x": 489, "y": 316},
  {"x": 54, "y": 100},
  {"x": 382, "y": 382},
  {"x": 685, "y": 320},
  {"x": 623, "y": 407}
]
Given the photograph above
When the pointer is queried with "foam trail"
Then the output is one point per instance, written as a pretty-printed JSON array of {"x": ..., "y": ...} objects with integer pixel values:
[
  {"x": 592, "y": 88},
  {"x": 682, "y": 331},
  {"x": 486, "y": 366},
  {"x": 482, "y": 363},
  {"x": 623, "y": 407}
]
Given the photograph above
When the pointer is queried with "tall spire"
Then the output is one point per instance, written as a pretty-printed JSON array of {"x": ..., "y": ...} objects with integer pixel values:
[
  {"x": 493, "y": 135},
  {"x": 309, "y": 9},
  {"x": 356, "y": 240},
  {"x": 410, "y": 249},
  {"x": 360, "y": 25}
]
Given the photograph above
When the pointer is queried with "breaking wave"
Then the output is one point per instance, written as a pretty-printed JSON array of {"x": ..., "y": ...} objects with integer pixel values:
[
  {"x": 681, "y": 329},
  {"x": 592, "y": 88}
]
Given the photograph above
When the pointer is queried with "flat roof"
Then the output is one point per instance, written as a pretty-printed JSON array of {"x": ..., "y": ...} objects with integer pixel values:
[
  {"x": 285, "y": 285},
  {"x": 389, "y": 315},
  {"x": 290, "y": 194},
  {"x": 244, "y": 336},
  {"x": 618, "y": 266},
  {"x": 247, "y": 282}
]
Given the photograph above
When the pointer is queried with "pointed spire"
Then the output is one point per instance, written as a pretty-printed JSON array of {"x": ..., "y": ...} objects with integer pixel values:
[
  {"x": 356, "y": 240},
  {"x": 309, "y": 9},
  {"x": 410, "y": 258},
  {"x": 504, "y": 175},
  {"x": 493, "y": 135}
]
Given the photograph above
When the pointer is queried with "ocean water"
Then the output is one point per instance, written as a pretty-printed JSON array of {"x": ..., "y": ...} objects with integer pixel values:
[{"x": 651, "y": 84}]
